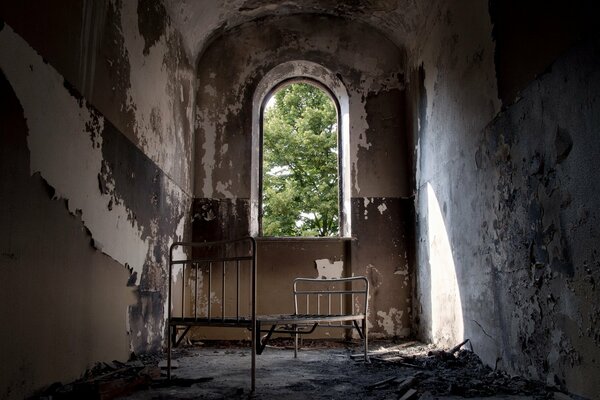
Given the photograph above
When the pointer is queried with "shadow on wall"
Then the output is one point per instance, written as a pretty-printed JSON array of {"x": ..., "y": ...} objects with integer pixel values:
[{"x": 445, "y": 307}]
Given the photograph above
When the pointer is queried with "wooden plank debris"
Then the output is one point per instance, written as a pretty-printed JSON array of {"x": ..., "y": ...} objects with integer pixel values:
[
  {"x": 406, "y": 384},
  {"x": 409, "y": 394},
  {"x": 458, "y": 346},
  {"x": 381, "y": 383},
  {"x": 384, "y": 351},
  {"x": 412, "y": 365}
]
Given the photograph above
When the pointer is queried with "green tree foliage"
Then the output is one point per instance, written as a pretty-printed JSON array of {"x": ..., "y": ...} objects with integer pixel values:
[{"x": 300, "y": 164}]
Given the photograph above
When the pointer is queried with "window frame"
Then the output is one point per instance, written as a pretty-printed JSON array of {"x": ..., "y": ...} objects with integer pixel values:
[
  {"x": 316, "y": 74},
  {"x": 280, "y": 86}
]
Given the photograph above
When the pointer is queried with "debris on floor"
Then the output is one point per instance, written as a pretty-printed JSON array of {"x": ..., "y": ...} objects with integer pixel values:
[
  {"x": 323, "y": 370},
  {"x": 457, "y": 372},
  {"x": 106, "y": 381},
  {"x": 116, "y": 379}
]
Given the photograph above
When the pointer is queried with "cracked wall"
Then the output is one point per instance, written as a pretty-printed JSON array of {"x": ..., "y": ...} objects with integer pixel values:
[
  {"x": 541, "y": 238},
  {"x": 104, "y": 152},
  {"x": 512, "y": 189},
  {"x": 371, "y": 68}
]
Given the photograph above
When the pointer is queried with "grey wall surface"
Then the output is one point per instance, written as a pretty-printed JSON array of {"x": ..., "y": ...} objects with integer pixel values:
[
  {"x": 506, "y": 206},
  {"x": 539, "y": 232}
]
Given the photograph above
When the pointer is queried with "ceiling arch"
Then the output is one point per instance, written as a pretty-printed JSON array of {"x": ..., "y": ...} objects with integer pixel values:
[{"x": 402, "y": 21}]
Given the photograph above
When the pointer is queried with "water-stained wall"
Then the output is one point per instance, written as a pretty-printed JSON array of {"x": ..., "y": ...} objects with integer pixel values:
[
  {"x": 506, "y": 205},
  {"x": 96, "y": 161},
  {"x": 370, "y": 67}
]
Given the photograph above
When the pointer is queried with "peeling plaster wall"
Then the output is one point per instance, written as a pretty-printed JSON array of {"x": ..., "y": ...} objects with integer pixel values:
[
  {"x": 115, "y": 158},
  {"x": 373, "y": 75},
  {"x": 541, "y": 240},
  {"x": 371, "y": 68},
  {"x": 506, "y": 204},
  {"x": 125, "y": 58},
  {"x": 54, "y": 283}
]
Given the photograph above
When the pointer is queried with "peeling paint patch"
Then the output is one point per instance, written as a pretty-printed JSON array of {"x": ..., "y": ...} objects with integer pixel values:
[
  {"x": 360, "y": 125},
  {"x": 208, "y": 133},
  {"x": 216, "y": 219},
  {"x": 178, "y": 252},
  {"x": 64, "y": 138},
  {"x": 391, "y": 322},
  {"x": 328, "y": 269},
  {"x": 223, "y": 188},
  {"x": 152, "y": 18},
  {"x": 375, "y": 277},
  {"x": 159, "y": 74}
]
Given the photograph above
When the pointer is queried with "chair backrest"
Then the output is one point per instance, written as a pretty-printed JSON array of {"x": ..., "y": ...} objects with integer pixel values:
[{"x": 340, "y": 296}]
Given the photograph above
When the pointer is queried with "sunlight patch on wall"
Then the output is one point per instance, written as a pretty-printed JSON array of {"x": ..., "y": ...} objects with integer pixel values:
[{"x": 446, "y": 309}]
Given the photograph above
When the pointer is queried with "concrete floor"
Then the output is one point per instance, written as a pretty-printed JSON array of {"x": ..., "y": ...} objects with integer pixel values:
[{"x": 325, "y": 371}]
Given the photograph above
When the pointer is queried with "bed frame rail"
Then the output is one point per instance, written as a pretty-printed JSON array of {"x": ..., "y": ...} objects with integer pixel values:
[
  {"x": 231, "y": 302},
  {"x": 217, "y": 287}
]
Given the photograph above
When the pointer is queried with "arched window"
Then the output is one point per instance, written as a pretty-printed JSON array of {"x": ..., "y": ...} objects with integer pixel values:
[
  {"x": 268, "y": 177},
  {"x": 300, "y": 179}
]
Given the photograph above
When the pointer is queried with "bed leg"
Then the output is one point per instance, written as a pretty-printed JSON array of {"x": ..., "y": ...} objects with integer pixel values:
[
  {"x": 255, "y": 340},
  {"x": 169, "y": 351},
  {"x": 365, "y": 330},
  {"x": 295, "y": 341}
]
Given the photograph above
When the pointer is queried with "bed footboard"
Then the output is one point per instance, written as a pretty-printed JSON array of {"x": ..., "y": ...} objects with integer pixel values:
[
  {"x": 214, "y": 284},
  {"x": 222, "y": 290}
]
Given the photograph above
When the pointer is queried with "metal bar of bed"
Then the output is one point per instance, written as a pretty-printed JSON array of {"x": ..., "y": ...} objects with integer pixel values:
[
  {"x": 192, "y": 254},
  {"x": 202, "y": 258}
]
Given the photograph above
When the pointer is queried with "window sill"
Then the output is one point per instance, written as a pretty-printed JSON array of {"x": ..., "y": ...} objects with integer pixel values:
[{"x": 304, "y": 239}]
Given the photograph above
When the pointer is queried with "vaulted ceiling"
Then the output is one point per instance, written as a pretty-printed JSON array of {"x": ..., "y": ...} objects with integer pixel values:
[{"x": 400, "y": 20}]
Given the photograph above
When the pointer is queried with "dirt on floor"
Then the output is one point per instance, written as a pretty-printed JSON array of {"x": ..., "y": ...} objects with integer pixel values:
[{"x": 323, "y": 370}]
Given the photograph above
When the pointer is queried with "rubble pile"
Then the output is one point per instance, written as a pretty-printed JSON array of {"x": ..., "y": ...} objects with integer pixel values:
[
  {"x": 115, "y": 379},
  {"x": 456, "y": 373}
]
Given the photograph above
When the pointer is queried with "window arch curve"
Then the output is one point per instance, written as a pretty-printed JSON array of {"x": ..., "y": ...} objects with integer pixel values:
[{"x": 299, "y": 71}]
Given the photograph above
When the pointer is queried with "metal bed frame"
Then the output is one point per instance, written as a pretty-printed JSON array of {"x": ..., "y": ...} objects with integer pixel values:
[{"x": 216, "y": 260}]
